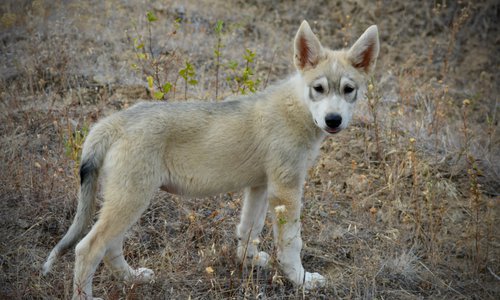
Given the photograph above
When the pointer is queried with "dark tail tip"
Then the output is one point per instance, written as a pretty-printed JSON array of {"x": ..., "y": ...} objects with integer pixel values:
[{"x": 86, "y": 169}]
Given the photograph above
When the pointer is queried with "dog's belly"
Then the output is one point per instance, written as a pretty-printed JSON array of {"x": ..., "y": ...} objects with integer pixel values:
[
  {"x": 208, "y": 166},
  {"x": 170, "y": 188},
  {"x": 212, "y": 184}
]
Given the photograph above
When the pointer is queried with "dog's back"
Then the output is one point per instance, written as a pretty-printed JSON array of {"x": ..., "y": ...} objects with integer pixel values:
[{"x": 212, "y": 147}]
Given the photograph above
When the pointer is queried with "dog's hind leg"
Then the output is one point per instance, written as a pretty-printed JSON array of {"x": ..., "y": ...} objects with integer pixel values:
[
  {"x": 103, "y": 239},
  {"x": 126, "y": 196},
  {"x": 253, "y": 216},
  {"x": 116, "y": 262}
]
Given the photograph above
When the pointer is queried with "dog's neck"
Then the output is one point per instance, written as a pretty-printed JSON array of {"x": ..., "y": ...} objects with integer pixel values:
[
  {"x": 291, "y": 93},
  {"x": 299, "y": 92}
]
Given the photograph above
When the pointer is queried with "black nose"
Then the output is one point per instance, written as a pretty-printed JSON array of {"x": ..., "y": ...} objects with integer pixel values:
[{"x": 333, "y": 120}]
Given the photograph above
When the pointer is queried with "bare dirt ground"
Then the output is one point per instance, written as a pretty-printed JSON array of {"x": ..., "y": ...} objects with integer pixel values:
[{"x": 403, "y": 205}]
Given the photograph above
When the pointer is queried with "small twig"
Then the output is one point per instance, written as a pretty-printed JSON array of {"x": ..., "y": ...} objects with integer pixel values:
[
  {"x": 492, "y": 273},
  {"x": 270, "y": 68}
]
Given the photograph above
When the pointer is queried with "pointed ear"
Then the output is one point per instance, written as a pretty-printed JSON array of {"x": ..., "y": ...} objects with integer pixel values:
[
  {"x": 308, "y": 50},
  {"x": 363, "y": 54}
]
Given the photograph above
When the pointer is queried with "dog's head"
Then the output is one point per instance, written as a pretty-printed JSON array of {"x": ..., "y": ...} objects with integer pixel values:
[{"x": 334, "y": 80}]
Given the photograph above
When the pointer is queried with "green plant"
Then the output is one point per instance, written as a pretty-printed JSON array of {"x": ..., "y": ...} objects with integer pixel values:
[
  {"x": 243, "y": 80},
  {"x": 73, "y": 143},
  {"x": 280, "y": 214},
  {"x": 188, "y": 73},
  {"x": 155, "y": 66}
]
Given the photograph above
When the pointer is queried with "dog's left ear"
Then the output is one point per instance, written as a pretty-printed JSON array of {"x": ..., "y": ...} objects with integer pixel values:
[
  {"x": 363, "y": 54},
  {"x": 308, "y": 49}
]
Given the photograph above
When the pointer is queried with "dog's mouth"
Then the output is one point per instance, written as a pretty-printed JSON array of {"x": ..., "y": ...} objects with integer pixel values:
[{"x": 333, "y": 130}]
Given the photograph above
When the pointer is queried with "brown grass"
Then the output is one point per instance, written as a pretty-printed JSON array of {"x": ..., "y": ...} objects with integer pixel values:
[{"x": 403, "y": 205}]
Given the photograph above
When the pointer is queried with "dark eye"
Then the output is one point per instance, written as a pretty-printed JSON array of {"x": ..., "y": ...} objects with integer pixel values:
[
  {"x": 348, "y": 89},
  {"x": 319, "y": 89}
]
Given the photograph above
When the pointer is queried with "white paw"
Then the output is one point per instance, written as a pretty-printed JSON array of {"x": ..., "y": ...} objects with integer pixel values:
[
  {"x": 313, "y": 280},
  {"x": 261, "y": 259},
  {"x": 142, "y": 275}
]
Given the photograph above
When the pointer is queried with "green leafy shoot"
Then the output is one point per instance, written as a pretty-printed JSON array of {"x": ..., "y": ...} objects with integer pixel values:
[
  {"x": 243, "y": 80},
  {"x": 151, "y": 17},
  {"x": 188, "y": 73},
  {"x": 73, "y": 143}
]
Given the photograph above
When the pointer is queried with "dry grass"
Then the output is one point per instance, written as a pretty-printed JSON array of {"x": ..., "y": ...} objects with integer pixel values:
[{"x": 403, "y": 205}]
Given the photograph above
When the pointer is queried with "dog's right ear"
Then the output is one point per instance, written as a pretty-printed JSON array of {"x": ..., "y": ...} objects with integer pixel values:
[{"x": 308, "y": 49}]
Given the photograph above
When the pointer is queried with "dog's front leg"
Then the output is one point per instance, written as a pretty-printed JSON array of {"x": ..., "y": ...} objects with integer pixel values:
[{"x": 285, "y": 206}]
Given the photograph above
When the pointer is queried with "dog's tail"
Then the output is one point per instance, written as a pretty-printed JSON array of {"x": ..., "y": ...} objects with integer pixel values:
[{"x": 96, "y": 145}]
